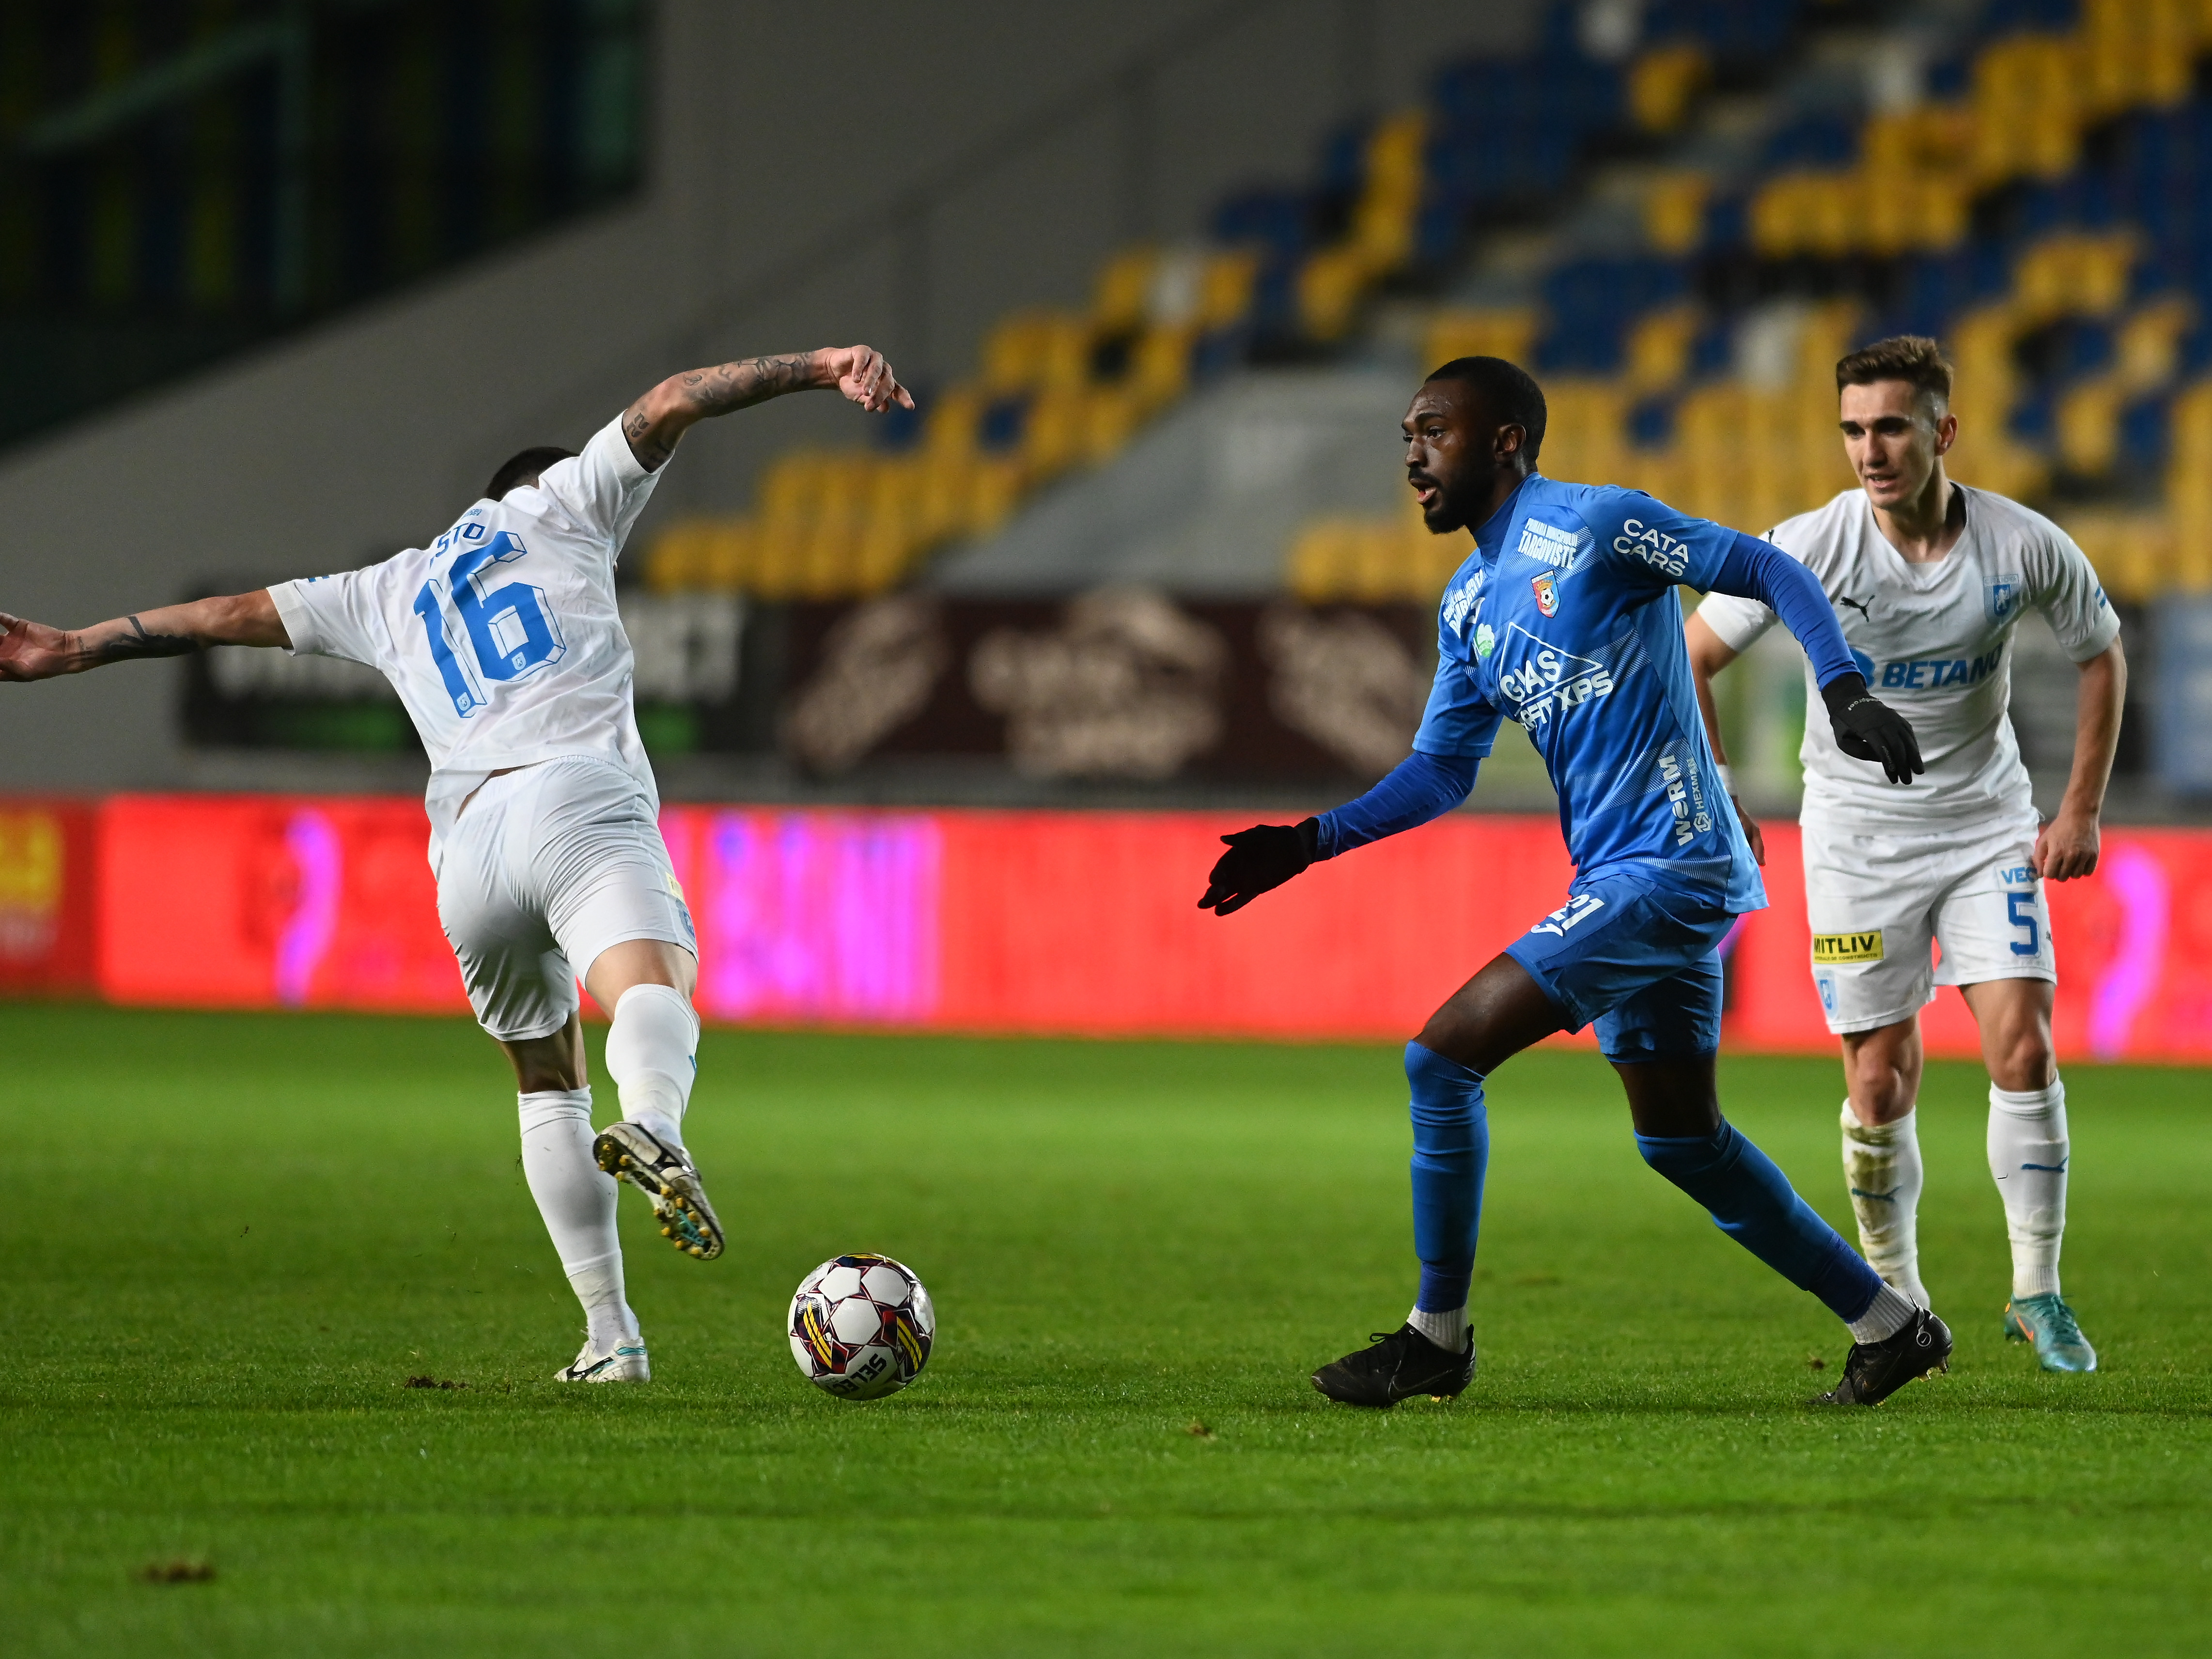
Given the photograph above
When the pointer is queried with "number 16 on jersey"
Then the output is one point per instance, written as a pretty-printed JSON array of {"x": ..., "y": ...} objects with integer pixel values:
[{"x": 511, "y": 631}]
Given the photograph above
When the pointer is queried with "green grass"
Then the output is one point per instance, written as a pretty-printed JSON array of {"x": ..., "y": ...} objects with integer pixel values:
[{"x": 231, "y": 1239}]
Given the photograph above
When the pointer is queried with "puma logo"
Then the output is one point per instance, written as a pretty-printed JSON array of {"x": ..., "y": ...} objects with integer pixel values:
[{"x": 1859, "y": 605}]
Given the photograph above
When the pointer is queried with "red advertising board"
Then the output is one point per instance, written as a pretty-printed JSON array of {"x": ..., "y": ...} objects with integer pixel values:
[
  {"x": 47, "y": 880},
  {"x": 991, "y": 921}
]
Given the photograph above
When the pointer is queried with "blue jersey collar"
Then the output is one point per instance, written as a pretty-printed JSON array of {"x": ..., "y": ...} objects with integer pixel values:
[{"x": 1489, "y": 540}]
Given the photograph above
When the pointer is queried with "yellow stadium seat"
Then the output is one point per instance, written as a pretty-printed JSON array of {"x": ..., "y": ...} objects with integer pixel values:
[
  {"x": 949, "y": 422},
  {"x": 2074, "y": 274},
  {"x": 2089, "y": 424},
  {"x": 1659, "y": 347},
  {"x": 1585, "y": 431},
  {"x": 675, "y": 562},
  {"x": 1674, "y": 212},
  {"x": 1056, "y": 436},
  {"x": 1111, "y": 415},
  {"x": 1330, "y": 285},
  {"x": 1663, "y": 84},
  {"x": 2149, "y": 342},
  {"x": 1161, "y": 367},
  {"x": 1509, "y": 333},
  {"x": 1225, "y": 288},
  {"x": 730, "y": 553},
  {"x": 1124, "y": 291},
  {"x": 2026, "y": 100}
]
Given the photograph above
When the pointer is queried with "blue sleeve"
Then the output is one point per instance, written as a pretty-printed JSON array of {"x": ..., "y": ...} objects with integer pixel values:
[
  {"x": 1459, "y": 720},
  {"x": 1649, "y": 540},
  {"x": 1419, "y": 788},
  {"x": 1754, "y": 569}
]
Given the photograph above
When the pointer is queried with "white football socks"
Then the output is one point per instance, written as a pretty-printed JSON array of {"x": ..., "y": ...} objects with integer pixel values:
[
  {"x": 2028, "y": 1152},
  {"x": 577, "y": 1199},
  {"x": 1881, "y": 1167},
  {"x": 650, "y": 1055},
  {"x": 1446, "y": 1328},
  {"x": 1889, "y": 1313}
]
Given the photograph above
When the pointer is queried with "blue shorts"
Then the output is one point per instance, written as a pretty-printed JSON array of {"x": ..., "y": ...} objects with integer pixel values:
[{"x": 1641, "y": 961}]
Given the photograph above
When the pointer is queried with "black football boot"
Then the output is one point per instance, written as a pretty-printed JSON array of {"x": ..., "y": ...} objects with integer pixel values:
[
  {"x": 1397, "y": 1366},
  {"x": 1874, "y": 1370}
]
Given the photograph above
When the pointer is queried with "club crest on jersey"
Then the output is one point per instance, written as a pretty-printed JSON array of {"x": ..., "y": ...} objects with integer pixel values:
[
  {"x": 1547, "y": 588},
  {"x": 2002, "y": 598}
]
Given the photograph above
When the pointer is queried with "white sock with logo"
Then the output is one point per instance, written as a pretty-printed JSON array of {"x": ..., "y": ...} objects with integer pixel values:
[
  {"x": 2028, "y": 1154},
  {"x": 1881, "y": 1167},
  {"x": 651, "y": 1051},
  {"x": 1446, "y": 1328},
  {"x": 577, "y": 1199}
]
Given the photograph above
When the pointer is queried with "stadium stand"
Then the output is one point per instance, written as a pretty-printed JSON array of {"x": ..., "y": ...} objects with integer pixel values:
[
  {"x": 2043, "y": 204},
  {"x": 1284, "y": 273}
]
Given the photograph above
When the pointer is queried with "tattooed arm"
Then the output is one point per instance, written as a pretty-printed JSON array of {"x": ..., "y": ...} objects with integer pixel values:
[
  {"x": 33, "y": 651},
  {"x": 656, "y": 421}
]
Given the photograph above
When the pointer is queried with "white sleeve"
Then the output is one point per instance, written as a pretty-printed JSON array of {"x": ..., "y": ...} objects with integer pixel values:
[
  {"x": 604, "y": 489},
  {"x": 333, "y": 615},
  {"x": 1737, "y": 620},
  {"x": 2073, "y": 600}
]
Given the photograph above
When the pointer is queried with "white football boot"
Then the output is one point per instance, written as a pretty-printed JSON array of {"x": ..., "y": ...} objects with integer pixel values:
[
  {"x": 623, "y": 1362},
  {"x": 631, "y": 1152}
]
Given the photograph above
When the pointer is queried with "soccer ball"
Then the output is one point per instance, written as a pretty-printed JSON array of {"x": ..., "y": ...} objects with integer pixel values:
[{"x": 861, "y": 1327}]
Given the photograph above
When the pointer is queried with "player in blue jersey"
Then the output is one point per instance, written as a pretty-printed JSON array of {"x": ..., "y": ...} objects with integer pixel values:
[{"x": 1564, "y": 619}]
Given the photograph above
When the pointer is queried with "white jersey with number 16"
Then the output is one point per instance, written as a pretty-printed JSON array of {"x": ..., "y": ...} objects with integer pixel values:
[
  {"x": 502, "y": 637},
  {"x": 1934, "y": 642}
]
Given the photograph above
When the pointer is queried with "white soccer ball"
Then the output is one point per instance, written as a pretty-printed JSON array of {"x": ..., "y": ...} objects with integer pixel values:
[{"x": 861, "y": 1326}]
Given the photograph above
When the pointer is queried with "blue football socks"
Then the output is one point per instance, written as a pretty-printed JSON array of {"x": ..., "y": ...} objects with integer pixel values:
[
  {"x": 1451, "y": 1151},
  {"x": 1753, "y": 1203}
]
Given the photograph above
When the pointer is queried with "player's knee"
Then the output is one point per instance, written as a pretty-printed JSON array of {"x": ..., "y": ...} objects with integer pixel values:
[{"x": 2023, "y": 1058}]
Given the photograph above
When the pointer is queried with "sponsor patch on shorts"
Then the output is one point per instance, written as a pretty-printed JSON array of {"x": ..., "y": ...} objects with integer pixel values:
[{"x": 1847, "y": 947}]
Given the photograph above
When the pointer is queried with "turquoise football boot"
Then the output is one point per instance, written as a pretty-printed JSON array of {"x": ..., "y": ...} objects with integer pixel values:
[{"x": 2049, "y": 1323}]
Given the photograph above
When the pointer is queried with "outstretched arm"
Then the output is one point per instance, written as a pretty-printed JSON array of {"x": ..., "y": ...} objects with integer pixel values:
[
  {"x": 1866, "y": 727},
  {"x": 656, "y": 421},
  {"x": 33, "y": 651},
  {"x": 2067, "y": 846},
  {"x": 1419, "y": 788},
  {"x": 1709, "y": 654}
]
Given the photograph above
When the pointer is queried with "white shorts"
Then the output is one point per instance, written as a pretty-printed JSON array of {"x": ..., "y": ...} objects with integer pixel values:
[
  {"x": 547, "y": 866},
  {"x": 1879, "y": 900}
]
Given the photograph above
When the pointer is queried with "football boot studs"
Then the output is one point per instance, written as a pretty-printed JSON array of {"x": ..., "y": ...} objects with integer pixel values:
[{"x": 629, "y": 1152}]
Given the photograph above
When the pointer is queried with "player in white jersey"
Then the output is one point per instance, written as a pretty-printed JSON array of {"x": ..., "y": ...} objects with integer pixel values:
[
  {"x": 1929, "y": 579},
  {"x": 504, "y": 643}
]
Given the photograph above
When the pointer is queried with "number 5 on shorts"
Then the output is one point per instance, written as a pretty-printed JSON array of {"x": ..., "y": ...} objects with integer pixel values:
[{"x": 2019, "y": 910}]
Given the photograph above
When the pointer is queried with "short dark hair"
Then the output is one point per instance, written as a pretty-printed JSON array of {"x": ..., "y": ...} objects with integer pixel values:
[
  {"x": 1913, "y": 358},
  {"x": 524, "y": 468},
  {"x": 1512, "y": 393}
]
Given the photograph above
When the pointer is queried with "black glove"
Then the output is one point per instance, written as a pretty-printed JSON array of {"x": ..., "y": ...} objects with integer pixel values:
[
  {"x": 1868, "y": 729},
  {"x": 1266, "y": 855}
]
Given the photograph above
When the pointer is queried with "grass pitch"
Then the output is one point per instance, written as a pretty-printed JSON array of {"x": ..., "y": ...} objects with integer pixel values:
[{"x": 232, "y": 1239}]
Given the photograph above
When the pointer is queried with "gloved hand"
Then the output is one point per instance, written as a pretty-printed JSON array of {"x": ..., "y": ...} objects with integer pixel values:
[
  {"x": 1868, "y": 729},
  {"x": 1266, "y": 855}
]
